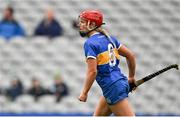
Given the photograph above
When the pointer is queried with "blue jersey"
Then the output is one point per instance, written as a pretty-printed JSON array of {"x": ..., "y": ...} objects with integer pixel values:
[{"x": 99, "y": 47}]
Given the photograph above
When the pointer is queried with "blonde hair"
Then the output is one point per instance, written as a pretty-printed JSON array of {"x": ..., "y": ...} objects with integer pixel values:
[{"x": 104, "y": 32}]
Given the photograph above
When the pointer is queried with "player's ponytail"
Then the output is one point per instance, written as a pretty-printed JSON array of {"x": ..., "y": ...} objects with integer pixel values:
[{"x": 104, "y": 32}]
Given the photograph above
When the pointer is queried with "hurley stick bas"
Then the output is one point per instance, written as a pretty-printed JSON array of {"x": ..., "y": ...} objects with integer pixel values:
[{"x": 151, "y": 76}]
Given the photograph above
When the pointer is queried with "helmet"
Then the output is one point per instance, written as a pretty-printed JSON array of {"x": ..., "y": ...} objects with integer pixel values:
[{"x": 93, "y": 16}]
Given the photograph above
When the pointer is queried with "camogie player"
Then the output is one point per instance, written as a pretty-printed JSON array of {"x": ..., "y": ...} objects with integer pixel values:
[{"x": 103, "y": 53}]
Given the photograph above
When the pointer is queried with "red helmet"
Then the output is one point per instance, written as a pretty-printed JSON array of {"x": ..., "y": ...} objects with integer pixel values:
[{"x": 93, "y": 16}]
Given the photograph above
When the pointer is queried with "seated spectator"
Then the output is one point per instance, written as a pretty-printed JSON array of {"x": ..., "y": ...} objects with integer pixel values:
[
  {"x": 36, "y": 89},
  {"x": 9, "y": 27},
  {"x": 16, "y": 89},
  {"x": 49, "y": 26},
  {"x": 59, "y": 88}
]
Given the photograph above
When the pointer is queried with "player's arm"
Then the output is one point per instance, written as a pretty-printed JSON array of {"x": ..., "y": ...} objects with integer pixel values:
[
  {"x": 90, "y": 77},
  {"x": 130, "y": 58}
]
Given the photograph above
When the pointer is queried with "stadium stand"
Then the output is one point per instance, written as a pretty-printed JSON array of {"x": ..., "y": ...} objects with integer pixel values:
[{"x": 151, "y": 28}]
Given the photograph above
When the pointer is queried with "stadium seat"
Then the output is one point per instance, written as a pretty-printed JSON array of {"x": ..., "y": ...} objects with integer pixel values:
[
  {"x": 25, "y": 100},
  {"x": 13, "y": 108}
]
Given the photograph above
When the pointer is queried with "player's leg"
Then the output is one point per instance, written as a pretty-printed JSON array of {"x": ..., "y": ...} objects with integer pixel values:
[
  {"x": 122, "y": 108},
  {"x": 102, "y": 108}
]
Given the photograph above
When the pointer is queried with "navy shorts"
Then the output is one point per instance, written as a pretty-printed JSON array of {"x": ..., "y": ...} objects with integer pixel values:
[{"x": 117, "y": 92}]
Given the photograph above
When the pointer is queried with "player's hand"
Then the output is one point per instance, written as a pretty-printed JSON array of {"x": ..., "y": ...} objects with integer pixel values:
[
  {"x": 132, "y": 80},
  {"x": 83, "y": 97}
]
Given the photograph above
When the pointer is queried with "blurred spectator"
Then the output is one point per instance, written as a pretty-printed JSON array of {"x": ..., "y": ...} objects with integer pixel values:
[
  {"x": 15, "y": 89},
  {"x": 49, "y": 26},
  {"x": 59, "y": 88},
  {"x": 36, "y": 89},
  {"x": 9, "y": 27}
]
